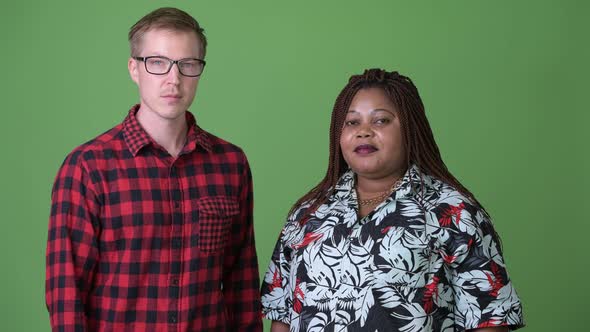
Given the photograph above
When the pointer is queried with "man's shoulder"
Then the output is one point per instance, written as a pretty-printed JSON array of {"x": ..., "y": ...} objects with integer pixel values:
[
  {"x": 219, "y": 145},
  {"x": 98, "y": 147}
]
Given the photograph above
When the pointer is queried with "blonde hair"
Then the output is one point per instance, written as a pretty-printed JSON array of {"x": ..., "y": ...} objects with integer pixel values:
[{"x": 165, "y": 18}]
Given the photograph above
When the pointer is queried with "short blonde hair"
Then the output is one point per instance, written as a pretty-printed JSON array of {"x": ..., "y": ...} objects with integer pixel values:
[{"x": 165, "y": 18}]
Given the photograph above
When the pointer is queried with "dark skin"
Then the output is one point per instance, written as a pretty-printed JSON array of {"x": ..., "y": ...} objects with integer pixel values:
[
  {"x": 372, "y": 124},
  {"x": 371, "y": 143},
  {"x": 367, "y": 208}
]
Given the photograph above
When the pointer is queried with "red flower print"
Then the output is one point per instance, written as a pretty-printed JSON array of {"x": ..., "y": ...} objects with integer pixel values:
[
  {"x": 276, "y": 281},
  {"x": 431, "y": 290},
  {"x": 452, "y": 212},
  {"x": 496, "y": 281},
  {"x": 298, "y": 298},
  {"x": 309, "y": 237}
]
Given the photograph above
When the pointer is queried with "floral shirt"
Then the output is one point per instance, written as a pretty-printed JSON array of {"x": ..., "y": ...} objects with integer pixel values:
[{"x": 423, "y": 260}]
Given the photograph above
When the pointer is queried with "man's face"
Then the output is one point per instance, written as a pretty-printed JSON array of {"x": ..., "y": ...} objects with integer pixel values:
[{"x": 166, "y": 96}]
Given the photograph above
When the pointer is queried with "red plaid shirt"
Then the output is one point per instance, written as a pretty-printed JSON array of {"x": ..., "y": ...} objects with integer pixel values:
[{"x": 141, "y": 241}]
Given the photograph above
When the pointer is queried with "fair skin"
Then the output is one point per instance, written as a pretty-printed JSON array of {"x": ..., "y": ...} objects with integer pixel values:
[
  {"x": 164, "y": 99},
  {"x": 372, "y": 145}
]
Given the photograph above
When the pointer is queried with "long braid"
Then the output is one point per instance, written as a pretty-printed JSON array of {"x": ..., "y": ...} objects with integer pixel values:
[
  {"x": 419, "y": 142},
  {"x": 336, "y": 163}
]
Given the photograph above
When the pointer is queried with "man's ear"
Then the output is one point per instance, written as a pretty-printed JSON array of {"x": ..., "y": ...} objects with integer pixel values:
[{"x": 133, "y": 70}]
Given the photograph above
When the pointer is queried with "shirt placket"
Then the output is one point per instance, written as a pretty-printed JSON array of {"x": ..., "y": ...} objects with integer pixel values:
[
  {"x": 344, "y": 266},
  {"x": 176, "y": 244}
]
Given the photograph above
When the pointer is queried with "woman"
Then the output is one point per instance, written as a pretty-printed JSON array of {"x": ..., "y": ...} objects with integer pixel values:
[{"x": 389, "y": 240}]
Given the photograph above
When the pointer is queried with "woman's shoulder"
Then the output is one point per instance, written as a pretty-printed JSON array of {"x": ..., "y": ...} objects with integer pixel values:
[
  {"x": 436, "y": 193},
  {"x": 449, "y": 207}
]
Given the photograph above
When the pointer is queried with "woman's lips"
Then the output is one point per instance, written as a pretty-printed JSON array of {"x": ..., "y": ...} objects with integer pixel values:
[{"x": 365, "y": 149}]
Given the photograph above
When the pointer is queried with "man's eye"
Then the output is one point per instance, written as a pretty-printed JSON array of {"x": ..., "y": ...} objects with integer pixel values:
[
  {"x": 157, "y": 62},
  {"x": 187, "y": 65}
]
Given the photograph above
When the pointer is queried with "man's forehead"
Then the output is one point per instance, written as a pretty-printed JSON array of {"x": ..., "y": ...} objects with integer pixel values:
[
  {"x": 170, "y": 32},
  {"x": 167, "y": 39}
]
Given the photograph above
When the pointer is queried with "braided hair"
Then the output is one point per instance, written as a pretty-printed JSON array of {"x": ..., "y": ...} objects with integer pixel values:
[{"x": 420, "y": 147}]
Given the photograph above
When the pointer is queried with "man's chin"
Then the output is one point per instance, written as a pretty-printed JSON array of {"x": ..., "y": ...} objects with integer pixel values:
[{"x": 171, "y": 113}]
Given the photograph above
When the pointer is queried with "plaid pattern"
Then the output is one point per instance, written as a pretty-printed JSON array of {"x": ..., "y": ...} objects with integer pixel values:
[{"x": 139, "y": 241}]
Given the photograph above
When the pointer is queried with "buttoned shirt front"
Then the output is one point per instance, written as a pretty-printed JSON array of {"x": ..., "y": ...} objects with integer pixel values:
[
  {"x": 142, "y": 241},
  {"x": 423, "y": 260}
]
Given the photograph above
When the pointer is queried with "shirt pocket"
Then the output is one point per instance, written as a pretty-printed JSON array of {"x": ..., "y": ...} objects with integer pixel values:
[{"x": 213, "y": 226}]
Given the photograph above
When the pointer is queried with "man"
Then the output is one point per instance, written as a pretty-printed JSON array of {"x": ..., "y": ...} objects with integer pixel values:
[{"x": 151, "y": 222}]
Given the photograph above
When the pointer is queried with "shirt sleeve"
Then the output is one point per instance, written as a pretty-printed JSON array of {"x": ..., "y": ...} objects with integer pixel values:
[
  {"x": 275, "y": 294},
  {"x": 72, "y": 250},
  {"x": 241, "y": 278},
  {"x": 484, "y": 294}
]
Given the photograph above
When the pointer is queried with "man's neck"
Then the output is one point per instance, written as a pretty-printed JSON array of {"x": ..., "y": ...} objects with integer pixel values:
[{"x": 169, "y": 133}]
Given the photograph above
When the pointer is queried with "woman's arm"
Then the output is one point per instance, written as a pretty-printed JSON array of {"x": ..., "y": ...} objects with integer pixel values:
[{"x": 280, "y": 327}]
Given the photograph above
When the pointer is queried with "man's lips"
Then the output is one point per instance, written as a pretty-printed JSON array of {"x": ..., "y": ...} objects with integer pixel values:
[
  {"x": 171, "y": 96},
  {"x": 365, "y": 149}
]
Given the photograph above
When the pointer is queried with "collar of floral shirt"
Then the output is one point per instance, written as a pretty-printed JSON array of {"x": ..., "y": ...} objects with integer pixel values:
[{"x": 410, "y": 185}]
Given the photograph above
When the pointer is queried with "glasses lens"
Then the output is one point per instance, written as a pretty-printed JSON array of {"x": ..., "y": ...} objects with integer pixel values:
[
  {"x": 190, "y": 67},
  {"x": 157, "y": 65}
]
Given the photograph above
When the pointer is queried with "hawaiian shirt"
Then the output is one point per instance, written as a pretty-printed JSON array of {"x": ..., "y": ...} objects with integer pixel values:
[{"x": 423, "y": 260}]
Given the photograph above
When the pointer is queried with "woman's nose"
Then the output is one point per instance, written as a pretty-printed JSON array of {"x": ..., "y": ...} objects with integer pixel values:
[{"x": 364, "y": 131}]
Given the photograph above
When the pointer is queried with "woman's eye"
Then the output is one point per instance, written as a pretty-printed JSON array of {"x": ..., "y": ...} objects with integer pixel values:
[
  {"x": 382, "y": 121},
  {"x": 350, "y": 122}
]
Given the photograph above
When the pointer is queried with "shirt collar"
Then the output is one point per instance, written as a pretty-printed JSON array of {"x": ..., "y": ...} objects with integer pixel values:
[
  {"x": 136, "y": 137},
  {"x": 409, "y": 185}
]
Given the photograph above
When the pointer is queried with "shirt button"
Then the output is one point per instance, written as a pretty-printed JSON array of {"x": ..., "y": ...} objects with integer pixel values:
[
  {"x": 174, "y": 281},
  {"x": 172, "y": 317}
]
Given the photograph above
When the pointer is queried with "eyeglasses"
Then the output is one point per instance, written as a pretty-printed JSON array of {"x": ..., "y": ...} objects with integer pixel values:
[{"x": 161, "y": 65}]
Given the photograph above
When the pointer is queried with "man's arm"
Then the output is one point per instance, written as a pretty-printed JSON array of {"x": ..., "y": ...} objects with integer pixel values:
[
  {"x": 72, "y": 251},
  {"x": 241, "y": 282}
]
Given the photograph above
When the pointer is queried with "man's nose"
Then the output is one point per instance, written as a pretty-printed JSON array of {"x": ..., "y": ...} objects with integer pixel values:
[{"x": 174, "y": 74}]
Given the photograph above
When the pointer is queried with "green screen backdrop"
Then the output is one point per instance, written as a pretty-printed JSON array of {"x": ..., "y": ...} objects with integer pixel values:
[{"x": 505, "y": 84}]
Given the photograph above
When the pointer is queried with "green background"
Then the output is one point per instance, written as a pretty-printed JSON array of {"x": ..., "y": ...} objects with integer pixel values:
[{"x": 504, "y": 83}]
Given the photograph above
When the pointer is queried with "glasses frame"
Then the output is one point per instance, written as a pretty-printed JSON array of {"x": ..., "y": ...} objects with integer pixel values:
[{"x": 144, "y": 59}]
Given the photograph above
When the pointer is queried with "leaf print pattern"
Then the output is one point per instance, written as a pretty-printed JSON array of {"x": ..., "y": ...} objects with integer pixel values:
[{"x": 421, "y": 261}]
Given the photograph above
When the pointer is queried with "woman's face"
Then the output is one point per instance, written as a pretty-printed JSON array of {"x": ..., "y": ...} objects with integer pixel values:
[{"x": 371, "y": 140}]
